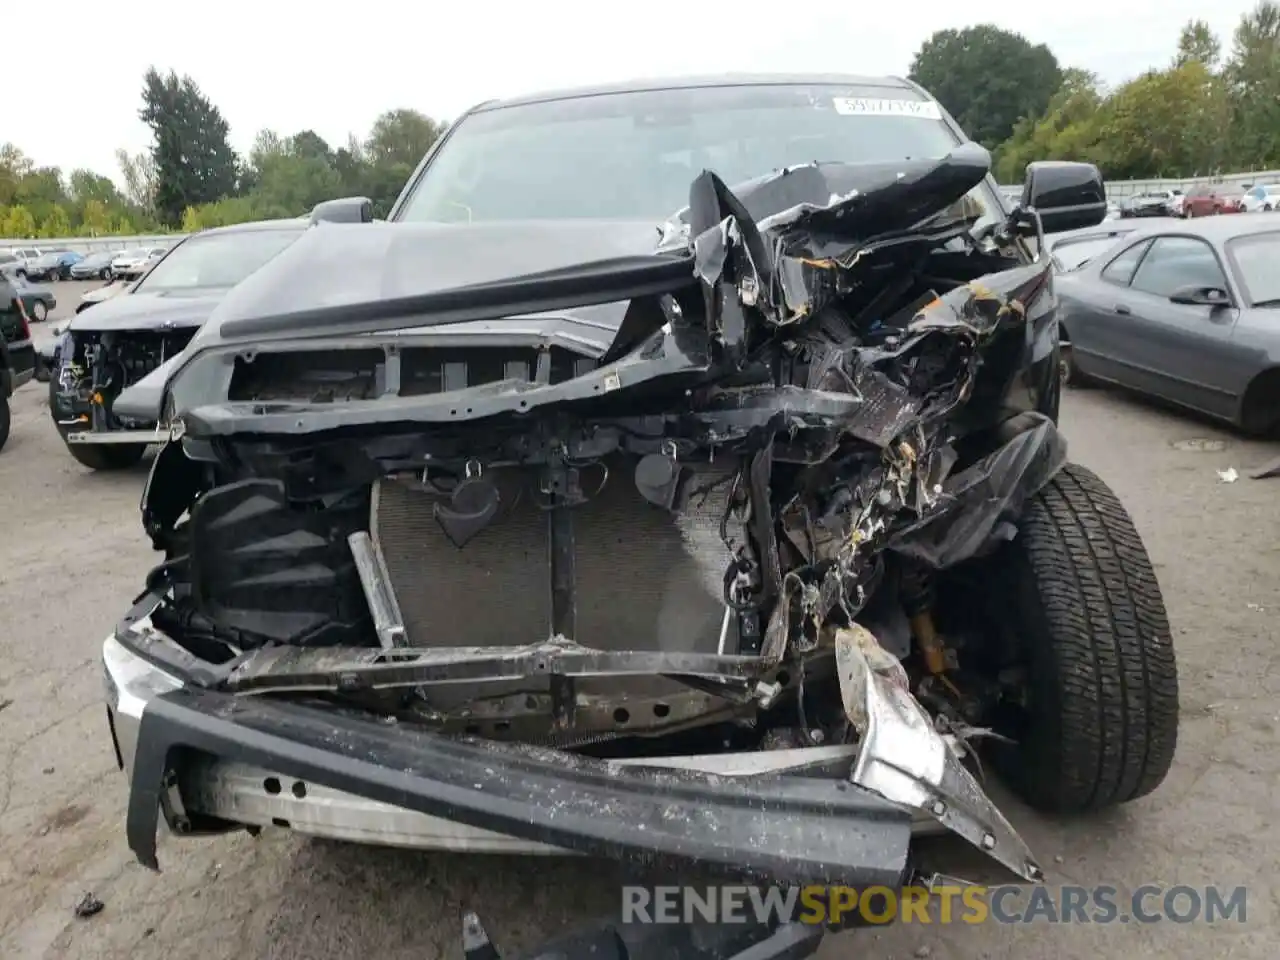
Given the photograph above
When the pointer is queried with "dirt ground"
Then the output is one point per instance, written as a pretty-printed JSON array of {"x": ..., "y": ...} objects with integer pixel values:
[{"x": 74, "y": 555}]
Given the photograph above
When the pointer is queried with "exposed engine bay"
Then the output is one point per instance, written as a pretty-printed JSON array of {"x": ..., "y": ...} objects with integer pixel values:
[
  {"x": 746, "y": 525},
  {"x": 93, "y": 367}
]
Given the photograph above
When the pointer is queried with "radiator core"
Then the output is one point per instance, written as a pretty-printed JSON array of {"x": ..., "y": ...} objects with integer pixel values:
[{"x": 644, "y": 578}]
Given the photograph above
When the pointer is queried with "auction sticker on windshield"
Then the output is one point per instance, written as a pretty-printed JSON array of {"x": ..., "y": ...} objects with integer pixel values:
[{"x": 874, "y": 106}]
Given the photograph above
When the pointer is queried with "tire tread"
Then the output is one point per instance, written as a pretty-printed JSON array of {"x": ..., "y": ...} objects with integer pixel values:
[{"x": 1108, "y": 677}]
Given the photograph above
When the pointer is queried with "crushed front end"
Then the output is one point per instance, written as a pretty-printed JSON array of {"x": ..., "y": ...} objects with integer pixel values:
[
  {"x": 90, "y": 368},
  {"x": 484, "y": 585}
]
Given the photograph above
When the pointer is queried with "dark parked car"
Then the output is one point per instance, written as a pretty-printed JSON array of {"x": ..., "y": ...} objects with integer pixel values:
[
  {"x": 39, "y": 301},
  {"x": 118, "y": 341},
  {"x": 96, "y": 266},
  {"x": 10, "y": 265},
  {"x": 720, "y": 458},
  {"x": 1187, "y": 312},
  {"x": 17, "y": 353},
  {"x": 53, "y": 265}
]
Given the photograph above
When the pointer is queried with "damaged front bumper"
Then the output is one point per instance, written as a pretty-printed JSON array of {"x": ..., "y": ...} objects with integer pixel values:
[
  {"x": 196, "y": 756},
  {"x": 206, "y": 760}
]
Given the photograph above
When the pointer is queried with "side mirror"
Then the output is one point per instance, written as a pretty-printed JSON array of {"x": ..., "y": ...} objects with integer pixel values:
[
  {"x": 1067, "y": 195},
  {"x": 343, "y": 210},
  {"x": 1201, "y": 296}
]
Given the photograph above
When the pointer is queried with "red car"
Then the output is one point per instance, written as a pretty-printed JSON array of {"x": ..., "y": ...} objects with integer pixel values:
[{"x": 1206, "y": 199}]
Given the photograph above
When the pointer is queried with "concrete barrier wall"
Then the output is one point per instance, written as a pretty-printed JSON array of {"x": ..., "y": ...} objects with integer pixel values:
[
  {"x": 1129, "y": 188},
  {"x": 87, "y": 245}
]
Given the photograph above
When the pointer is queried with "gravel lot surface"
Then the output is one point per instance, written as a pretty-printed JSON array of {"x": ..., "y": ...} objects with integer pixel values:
[{"x": 74, "y": 556}]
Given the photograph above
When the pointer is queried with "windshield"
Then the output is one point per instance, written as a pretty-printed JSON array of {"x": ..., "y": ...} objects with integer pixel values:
[
  {"x": 129, "y": 254},
  {"x": 1074, "y": 254},
  {"x": 216, "y": 260},
  {"x": 1255, "y": 260},
  {"x": 625, "y": 156}
]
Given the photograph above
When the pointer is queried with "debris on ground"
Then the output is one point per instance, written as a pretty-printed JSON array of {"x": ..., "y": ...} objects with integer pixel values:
[
  {"x": 89, "y": 906},
  {"x": 1228, "y": 475},
  {"x": 5, "y": 703}
]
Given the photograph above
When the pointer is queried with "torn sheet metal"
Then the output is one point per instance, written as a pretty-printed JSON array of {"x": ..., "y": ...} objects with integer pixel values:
[
  {"x": 977, "y": 508},
  {"x": 905, "y": 759},
  {"x": 800, "y": 226}
]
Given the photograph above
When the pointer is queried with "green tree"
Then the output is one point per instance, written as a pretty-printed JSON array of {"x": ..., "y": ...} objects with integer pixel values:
[
  {"x": 1253, "y": 79},
  {"x": 352, "y": 168},
  {"x": 18, "y": 223},
  {"x": 1164, "y": 123},
  {"x": 308, "y": 143},
  {"x": 1197, "y": 42},
  {"x": 1066, "y": 131},
  {"x": 290, "y": 176},
  {"x": 398, "y": 141},
  {"x": 139, "y": 172},
  {"x": 14, "y": 166},
  {"x": 987, "y": 78},
  {"x": 221, "y": 213},
  {"x": 401, "y": 136},
  {"x": 86, "y": 185},
  {"x": 95, "y": 220},
  {"x": 57, "y": 225},
  {"x": 194, "y": 160},
  {"x": 40, "y": 190}
]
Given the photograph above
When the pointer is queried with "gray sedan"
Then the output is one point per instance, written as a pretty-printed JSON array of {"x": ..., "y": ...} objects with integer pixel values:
[
  {"x": 1188, "y": 312},
  {"x": 1071, "y": 249}
]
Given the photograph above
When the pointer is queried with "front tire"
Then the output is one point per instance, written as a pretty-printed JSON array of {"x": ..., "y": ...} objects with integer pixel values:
[
  {"x": 39, "y": 312},
  {"x": 1098, "y": 722},
  {"x": 4, "y": 421}
]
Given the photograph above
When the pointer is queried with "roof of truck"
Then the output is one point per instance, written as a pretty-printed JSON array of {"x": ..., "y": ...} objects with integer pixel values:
[{"x": 708, "y": 80}]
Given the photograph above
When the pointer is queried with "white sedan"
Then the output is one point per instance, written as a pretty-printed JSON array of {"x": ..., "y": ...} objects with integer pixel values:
[
  {"x": 130, "y": 263},
  {"x": 1262, "y": 197}
]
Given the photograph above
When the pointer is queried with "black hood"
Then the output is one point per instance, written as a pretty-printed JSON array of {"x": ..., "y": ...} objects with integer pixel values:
[
  {"x": 148, "y": 311},
  {"x": 347, "y": 265}
]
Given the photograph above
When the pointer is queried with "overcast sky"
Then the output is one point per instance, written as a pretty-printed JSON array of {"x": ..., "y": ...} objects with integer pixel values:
[{"x": 72, "y": 98}]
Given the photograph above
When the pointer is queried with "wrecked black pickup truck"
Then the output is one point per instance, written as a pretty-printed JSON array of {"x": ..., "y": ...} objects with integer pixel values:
[{"x": 731, "y": 537}]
